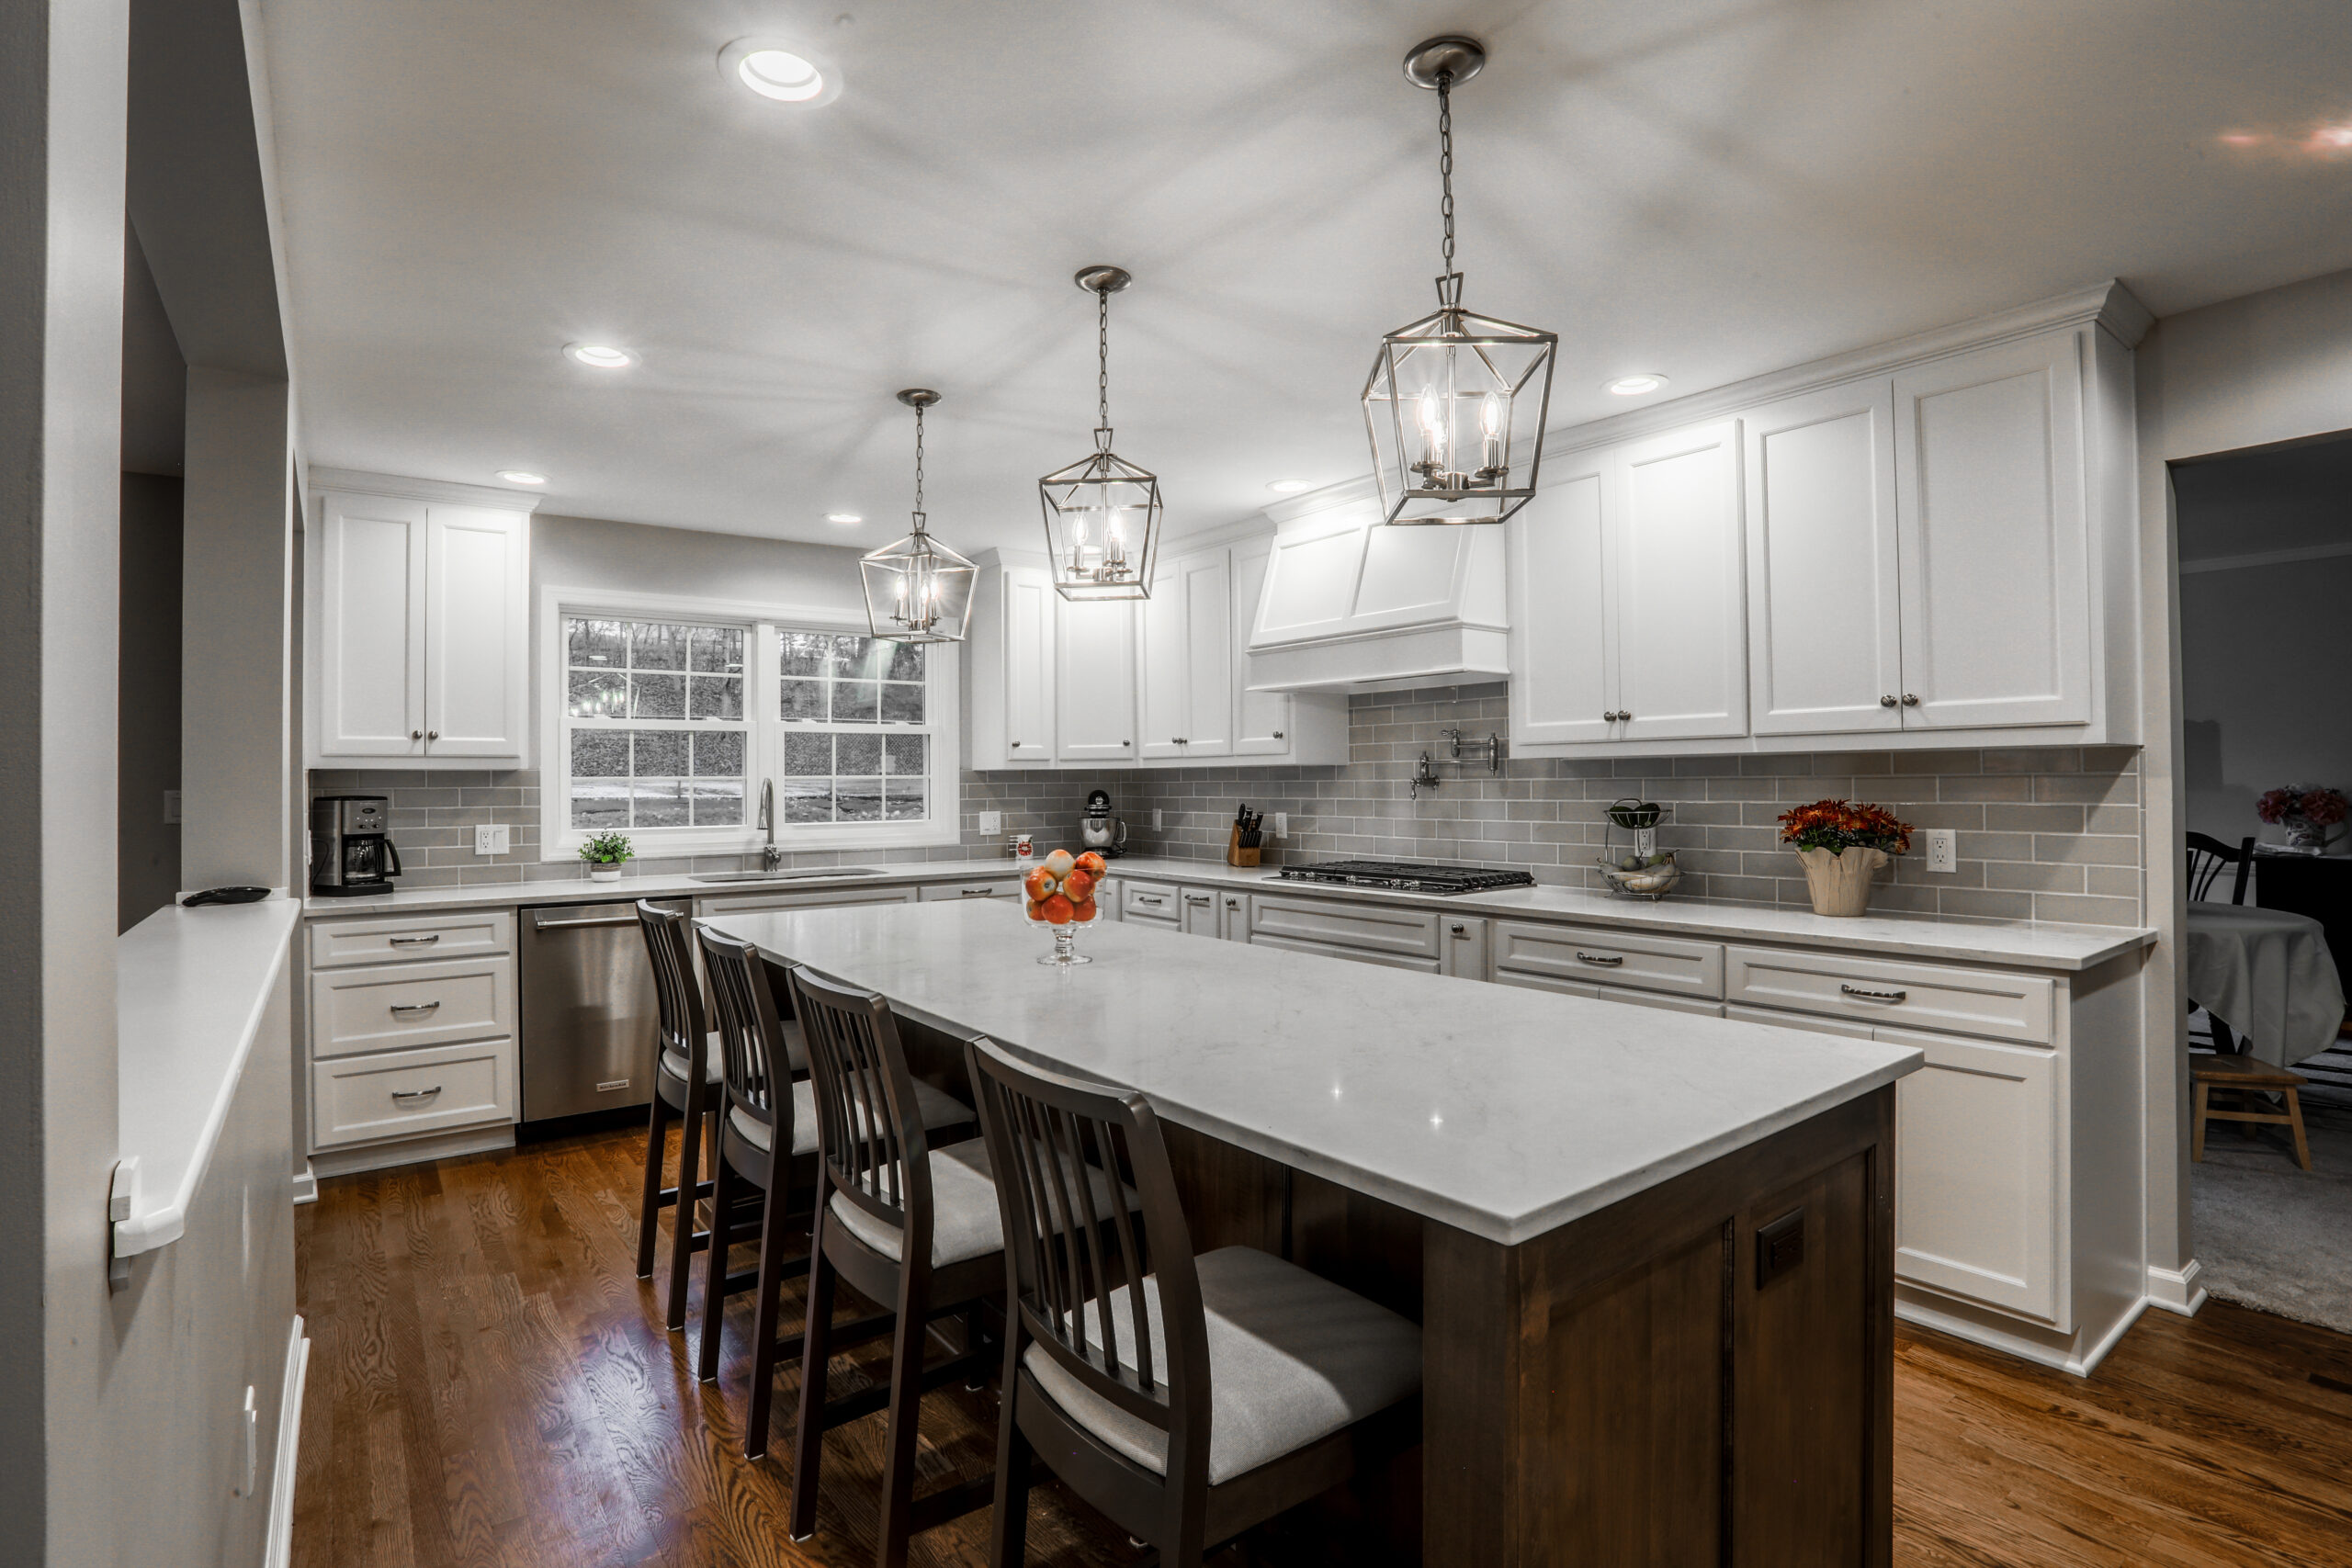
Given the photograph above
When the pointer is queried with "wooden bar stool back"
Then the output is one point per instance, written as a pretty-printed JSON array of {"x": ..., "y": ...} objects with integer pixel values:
[
  {"x": 2247, "y": 1073},
  {"x": 766, "y": 1143},
  {"x": 909, "y": 1227},
  {"x": 682, "y": 1089},
  {"x": 1188, "y": 1399}
]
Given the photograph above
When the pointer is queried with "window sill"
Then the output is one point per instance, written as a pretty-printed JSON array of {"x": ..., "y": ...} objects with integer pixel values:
[{"x": 673, "y": 843}]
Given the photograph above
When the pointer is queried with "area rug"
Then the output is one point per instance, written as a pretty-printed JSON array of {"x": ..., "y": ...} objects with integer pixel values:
[{"x": 2269, "y": 1235}]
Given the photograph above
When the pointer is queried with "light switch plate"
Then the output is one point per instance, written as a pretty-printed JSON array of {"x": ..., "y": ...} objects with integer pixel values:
[
  {"x": 491, "y": 838},
  {"x": 1156, "y": 822},
  {"x": 1943, "y": 849},
  {"x": 170, "y": 806},
  {"x": 1281, "y": 824},
  {"x": 991, "y": 821}
]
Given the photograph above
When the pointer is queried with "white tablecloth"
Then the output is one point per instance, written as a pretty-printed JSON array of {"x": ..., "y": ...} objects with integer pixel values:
[{"x": 2268, "y": 976}]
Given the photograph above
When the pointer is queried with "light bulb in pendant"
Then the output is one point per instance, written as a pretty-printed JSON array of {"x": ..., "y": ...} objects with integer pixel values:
[
  {"x": 1432, "y": 428},
  {"x": 1490, "y": 427}
]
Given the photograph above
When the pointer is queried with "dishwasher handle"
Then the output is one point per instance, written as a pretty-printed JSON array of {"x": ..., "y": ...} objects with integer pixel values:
[{"x": 541, "y": 923}]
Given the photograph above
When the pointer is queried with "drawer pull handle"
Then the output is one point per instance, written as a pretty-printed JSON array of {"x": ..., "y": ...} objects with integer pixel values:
[
  {"x": 975, "y": 892},
  {"x": 427, "y": 941},
  {"x": 1197, "y": 900},
  {"x": 1149, "y": 898},
  {"x": 412, "y": 1095},
  {"x": 1461, "y": 931},
  {"x": 1867, "y": 994},
  {"x": 403, "y": 1009},
  {"x": 1607, "y": 961}
]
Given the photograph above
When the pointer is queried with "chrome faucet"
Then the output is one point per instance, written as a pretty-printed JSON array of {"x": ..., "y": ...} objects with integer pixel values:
[{"x": 771, "y": 856}]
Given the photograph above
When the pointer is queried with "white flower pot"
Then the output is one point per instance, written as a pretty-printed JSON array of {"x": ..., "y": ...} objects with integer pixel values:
[
  {"x": 1840, "y": 883},
  {"x": 603, "y": 873}
]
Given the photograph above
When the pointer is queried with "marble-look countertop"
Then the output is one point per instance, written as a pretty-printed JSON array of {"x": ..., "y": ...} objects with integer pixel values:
[
  {"x": 2020, "y": 944},
  {"x": 1502, "y": 1111},
  {"x": 190, "y": 988}
]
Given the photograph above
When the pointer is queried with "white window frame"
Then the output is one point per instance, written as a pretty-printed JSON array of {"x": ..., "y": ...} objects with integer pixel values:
[{"x": 763, "y": 756}]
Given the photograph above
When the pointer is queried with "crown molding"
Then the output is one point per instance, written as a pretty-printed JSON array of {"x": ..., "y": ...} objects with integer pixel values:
[
  {"x": 352, "y": 482},
  {"x": 1347, "y": 492}
]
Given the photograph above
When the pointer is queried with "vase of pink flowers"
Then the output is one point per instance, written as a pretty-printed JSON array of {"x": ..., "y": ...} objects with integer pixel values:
[{"x": 2307, "y": 812}]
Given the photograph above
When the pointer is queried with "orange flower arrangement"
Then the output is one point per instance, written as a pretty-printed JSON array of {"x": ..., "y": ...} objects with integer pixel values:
[{"x": 1840, "y": 825}]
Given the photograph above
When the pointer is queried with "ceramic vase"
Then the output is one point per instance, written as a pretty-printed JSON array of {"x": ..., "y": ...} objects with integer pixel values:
[
  {"x": 1840, "y": 883},
  {"x": 602, "y": 872}
]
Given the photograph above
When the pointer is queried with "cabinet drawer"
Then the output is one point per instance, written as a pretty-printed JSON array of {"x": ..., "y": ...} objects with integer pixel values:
[
  {"x": 1978, "y": 1196},
  {"x": 396, "y": 1005},
  {"x": 1150, "y": 901},
  {"x": 407, "y": 1093},
  {"x": 1967, "y": 1001},
  {"x": 760, "y": 903},
  {"x": 1416, "y": 963},
  {"x": 1665, "y": 1002},
  {"x": 948, "y": 892},
  {"x": 1402, "y": 933},
  {"x": 1851, "y": 1028},
  {"x": 397, "y": 938},
  {"x": 1609, "y": 958}
]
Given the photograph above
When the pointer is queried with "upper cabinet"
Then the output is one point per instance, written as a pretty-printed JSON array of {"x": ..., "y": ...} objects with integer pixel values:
[
  {"x": 1094, "y": 680},
  {"x": 1184, "y": 654},
  {"x": 1681, "y": 646},
  {"x": 417, "y": 625},
  {"x": 1351, "y": 603}
]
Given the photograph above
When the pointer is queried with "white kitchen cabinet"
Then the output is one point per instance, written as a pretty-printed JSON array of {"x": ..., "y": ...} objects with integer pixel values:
[
  {"x": 1675, "y": 536},
  {"x": 1823, "y": 618},
  {"x": 417, "y": 626},
  {"x": 1233, "y": 917},
  {"x": 1461, "y": 948},
  {"x": 1094, "y": 680},
  {"x": 1009, "y": 667},
  {"x": 1563, "y": 645},
  {"x": 1261, "y": 720},
  {"x": 1989, "y": 474},
  {"x": 1199, "y": 911},
  {"x": 1184, "y": 658}
]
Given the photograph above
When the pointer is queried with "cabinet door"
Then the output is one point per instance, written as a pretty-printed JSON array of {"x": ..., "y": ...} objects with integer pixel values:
[
  {"x": 1029, "y": 603},
  {"x": 1563, "y": 631},
  {"x": 1261, "y": 720},
  {"x": 1461, "y": 948},
  {"x": 1207, "y": 582},
  {"x": 1681, "y": 610},
  {"x": 370, "y": 610},
  {"x": 1233, "y": 916},
  {"x": 1824, "y": 640},
  {"x": 1201, "y": 914},
  {"x": 477, "y": 623},
  {"x": 1976, "y": 1173},
  {"x": 1988, "y": 467},
  {"x": 1160, "y": 683},
  {"x": 1094, "y": 680}
]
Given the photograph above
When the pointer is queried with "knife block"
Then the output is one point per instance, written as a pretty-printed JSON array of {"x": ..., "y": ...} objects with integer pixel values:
[{"x": 1233, "y": 853}]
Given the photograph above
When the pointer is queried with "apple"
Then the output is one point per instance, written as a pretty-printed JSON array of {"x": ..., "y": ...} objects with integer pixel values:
[
  {"x": 1059, "y": 863},
  {"x": 1082, "y": 912},
  {"x": 1055, "y": 910},
  {"x": 1040, "y": 883},
  {"x": 1091, "y": 863}
]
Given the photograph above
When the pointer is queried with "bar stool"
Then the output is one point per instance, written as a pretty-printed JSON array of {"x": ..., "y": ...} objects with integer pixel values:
[
  {"x": 686, "y": 1073},
  {"x": 909, "y": 1227},
  {"x": 1234, "y": 1385}
]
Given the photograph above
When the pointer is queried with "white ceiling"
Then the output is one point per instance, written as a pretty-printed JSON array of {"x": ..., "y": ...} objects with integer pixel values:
[{"x": 1711, "y": 188}]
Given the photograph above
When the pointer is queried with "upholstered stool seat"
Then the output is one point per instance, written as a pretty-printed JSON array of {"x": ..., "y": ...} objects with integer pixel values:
[{"x": 966, "y": 1220}]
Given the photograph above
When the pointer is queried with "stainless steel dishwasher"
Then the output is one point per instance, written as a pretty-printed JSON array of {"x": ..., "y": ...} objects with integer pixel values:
[{"x": 589, "y": 1012}]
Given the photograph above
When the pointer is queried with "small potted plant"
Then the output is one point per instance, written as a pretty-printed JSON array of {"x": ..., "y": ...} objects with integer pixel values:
[
  {"x": 2307, "y": 812},
  {"x": 606, "y": 853},
  {"x": 1842, "y": 845}
]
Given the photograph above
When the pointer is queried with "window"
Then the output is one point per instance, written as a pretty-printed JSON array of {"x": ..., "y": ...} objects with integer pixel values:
[{"x": 663, "y": 718}]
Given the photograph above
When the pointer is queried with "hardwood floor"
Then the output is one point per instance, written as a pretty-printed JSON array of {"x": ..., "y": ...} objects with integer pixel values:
[{"x": 490, "y": 1385}]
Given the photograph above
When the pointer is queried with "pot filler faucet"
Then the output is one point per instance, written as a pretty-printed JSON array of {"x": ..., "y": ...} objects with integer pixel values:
[{"x": 771, "y": 856}]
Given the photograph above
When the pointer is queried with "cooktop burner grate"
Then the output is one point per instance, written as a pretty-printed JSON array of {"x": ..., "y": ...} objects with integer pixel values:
[{"x": 1408, "y": 876}]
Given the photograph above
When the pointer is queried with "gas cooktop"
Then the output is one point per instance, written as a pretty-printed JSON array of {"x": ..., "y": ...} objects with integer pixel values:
[{"x": 1408, "y": 876}]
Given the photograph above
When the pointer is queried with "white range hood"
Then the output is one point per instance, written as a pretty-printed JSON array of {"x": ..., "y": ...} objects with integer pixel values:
[{"x": 1353, "y": 605}]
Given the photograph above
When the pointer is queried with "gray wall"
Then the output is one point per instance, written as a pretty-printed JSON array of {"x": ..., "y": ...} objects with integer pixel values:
[
  {"x": 2263, "y": 698},
  {"x": 147, "y": 849}
]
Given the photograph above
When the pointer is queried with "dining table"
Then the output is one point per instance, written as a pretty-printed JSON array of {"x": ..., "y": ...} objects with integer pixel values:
[{"x": 2267, "y": 974}]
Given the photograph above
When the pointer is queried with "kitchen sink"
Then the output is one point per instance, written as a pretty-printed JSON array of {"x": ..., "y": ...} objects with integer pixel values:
[{"x": 801, "y": 875}]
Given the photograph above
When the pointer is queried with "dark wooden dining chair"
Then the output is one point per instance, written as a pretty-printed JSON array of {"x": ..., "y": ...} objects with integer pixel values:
[
  {"x": 1186, "y": 1398},
  {"x": 2208, "y": 857},
  {"x": 684, "y": 1075},
  {"x": 911, "y": 1227}
]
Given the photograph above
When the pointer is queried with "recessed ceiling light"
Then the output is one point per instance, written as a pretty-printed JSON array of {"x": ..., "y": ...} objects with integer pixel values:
[
  {"x": 522, "y": 477},
  {"x": 783, "y": 71},
  {"x": 1290, "y": 487},
  {"x": 603, "y": 355},
  {"x": 843, "y": 518},
  {"x": 1636, "y": 386}
]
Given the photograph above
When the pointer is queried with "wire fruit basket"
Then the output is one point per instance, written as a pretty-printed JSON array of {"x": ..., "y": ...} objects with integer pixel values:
[{"x": 1636, "y": 868}]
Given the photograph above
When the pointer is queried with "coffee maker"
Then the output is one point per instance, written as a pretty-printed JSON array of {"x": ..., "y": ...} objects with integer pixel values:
[{"x": 351, "y": 855}]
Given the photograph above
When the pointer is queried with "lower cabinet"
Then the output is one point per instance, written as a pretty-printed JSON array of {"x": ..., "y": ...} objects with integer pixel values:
[
  {"x": 1151, "y": 903},
  {"x": 405, "y": 1094},
  {"x": 1200, "y": 911},
  {"x": 949, "y": 892},
  {"x": 1529, "y": 953}
]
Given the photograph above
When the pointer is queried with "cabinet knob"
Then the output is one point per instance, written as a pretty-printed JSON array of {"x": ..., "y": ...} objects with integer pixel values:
[
  {"x": 1127, "y": 742},
  {"x": 1278, "y": 735},
  {"x": 1887, "y": 701},
  {"x": 1461, "y": 931},
  {"x": 416, "y": 734},
  {"x": 1909, "y": 700},
  {"x": 433, "y": 735}
]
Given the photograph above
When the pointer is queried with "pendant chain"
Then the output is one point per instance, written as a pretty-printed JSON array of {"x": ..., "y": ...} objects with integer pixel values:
[
  {"x": 918, "y": 470},
  {"x": 1446, "y": 157},
  {"x": 1102, "y": 364}
]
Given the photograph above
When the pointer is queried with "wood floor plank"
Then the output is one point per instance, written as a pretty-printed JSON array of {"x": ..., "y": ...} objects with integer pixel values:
[{"x": 492, "y": 1384}]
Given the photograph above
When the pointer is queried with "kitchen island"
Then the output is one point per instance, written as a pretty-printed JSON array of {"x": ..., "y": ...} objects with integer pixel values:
[{"x": 1652, "y": 1253}]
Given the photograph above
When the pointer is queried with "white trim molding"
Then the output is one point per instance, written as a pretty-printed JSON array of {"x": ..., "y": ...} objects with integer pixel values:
[
  {"x": 352, "y": 482},
  {"x": 277, "y": 1539},
  {"x": 2176, "y": 1289}
]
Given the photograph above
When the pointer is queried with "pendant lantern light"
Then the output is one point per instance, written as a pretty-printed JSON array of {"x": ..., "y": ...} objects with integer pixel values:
[
  {"x": 918, "y": 590},
  {"x": 1103, "y": 511},
  {"x": 1455, "y": 403}
]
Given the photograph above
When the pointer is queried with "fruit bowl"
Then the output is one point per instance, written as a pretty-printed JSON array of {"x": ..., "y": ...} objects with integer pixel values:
[{"x": 1059, "y": 894}]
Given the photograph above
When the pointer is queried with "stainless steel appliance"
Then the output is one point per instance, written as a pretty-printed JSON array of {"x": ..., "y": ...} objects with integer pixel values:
[
  {"x": 351, "y": 851},
  {"x": 1408, "y": 876},
  {"x": 589, "y": 1011}
]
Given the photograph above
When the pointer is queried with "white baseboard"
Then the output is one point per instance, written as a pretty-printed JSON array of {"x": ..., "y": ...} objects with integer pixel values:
[
  {"x": 277, "y": 1549},
  {"x": 412, "y": 1151},
  {"x": 2030, "y": 1342},
  {"x": 306, "y": 1184},
  {"x": 2176, "y": 1289}
]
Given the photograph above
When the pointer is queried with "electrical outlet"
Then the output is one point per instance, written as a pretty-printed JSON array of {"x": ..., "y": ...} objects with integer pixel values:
[
  {"x": 1943, "y": 849},
  {"x": 171, "y": 808},
  {"x": 1157, "y": 821},
  {"x": 1281, "y": 824},
  {"x": 491, "y": 838},
  {"x": 991, "y": 821}
]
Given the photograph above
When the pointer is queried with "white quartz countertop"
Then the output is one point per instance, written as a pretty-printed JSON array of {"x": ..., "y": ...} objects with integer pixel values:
[
  {"x": 1502, "y": 1111},
  {"x": 2014, "y": 943},
  {"x": 190, "y": 989}
]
